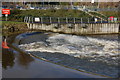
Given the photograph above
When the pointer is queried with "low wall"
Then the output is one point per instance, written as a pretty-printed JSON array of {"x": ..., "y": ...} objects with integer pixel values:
[{"x": 98, "y": 28}]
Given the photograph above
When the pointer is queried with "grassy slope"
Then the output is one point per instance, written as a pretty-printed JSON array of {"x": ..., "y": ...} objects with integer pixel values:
[
  {"x": 18, "y": 15},
  {"x": 110, "y": 13}
]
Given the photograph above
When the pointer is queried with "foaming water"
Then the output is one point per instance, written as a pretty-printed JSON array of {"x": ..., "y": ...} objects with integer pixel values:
[
  {"x": 77, "y": 46},
  {"x": 74, "y": 44}
]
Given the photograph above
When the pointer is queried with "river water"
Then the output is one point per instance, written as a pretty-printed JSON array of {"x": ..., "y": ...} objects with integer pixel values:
[
  {"x": 16, "y": 64},
  {"x": 97, "y": 53}
]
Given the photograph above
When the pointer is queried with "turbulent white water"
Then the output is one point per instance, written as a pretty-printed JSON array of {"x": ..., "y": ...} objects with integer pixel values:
[{"x": 76, "y": 46}]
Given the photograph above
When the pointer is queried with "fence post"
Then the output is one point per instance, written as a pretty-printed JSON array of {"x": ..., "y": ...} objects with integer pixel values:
[
  {"x": 66, "y": 20},
  {"x": 29, "y": 20},
  {"x": 50, "y": 20},
  {"x": 81, "y": 20},
  {"x": 74, "y": 21},
  {"x": 88, "y": 20},
  {"x": 41, "y": 20},
  {"x": 58, "y": 20},
  {"x": 101, "y": 20},
  {"x": 32, "y": 19},
  {"x": 25, "y": 19}
]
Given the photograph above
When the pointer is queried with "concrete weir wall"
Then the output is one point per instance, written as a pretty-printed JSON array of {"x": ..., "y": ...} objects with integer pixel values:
[{"x": 98, "y": 28}]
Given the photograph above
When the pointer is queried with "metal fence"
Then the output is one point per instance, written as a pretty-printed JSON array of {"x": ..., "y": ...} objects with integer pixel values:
[{"x": 64, "y": 20}]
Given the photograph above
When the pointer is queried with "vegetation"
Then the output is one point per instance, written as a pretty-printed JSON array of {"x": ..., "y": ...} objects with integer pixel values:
[
  {"x": 17, "y": 25},
  {"x": 18, "y": 15},
  {"x": 110, "y": 13},
  {"x": 10, "y": 22},
  {"x": 98, "y": 14}
]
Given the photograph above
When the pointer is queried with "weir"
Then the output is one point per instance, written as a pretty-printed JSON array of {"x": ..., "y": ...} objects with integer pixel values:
[
  {"x": 73, "y": 27},
  {"x": 99, "y": 28}
]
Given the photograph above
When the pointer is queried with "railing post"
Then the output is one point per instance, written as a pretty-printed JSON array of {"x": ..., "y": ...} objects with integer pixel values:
[
  {"x": 50, "y": 20},
  {"x": 58, "y": 20},
  {"x": 66, "y": 20},
  {"x": 88, "y": 20},
  {"x": 108, "y": 20},
  {"x": 32, "y": 19},
  {"x": 25, "y": 19},
  {"x": 74, "y": 21},
  {"x": 29, "y": 20},
  {"x": 41, "y": 20},
  {"x": 101, "y": 21},
  {"x": 81, "y": 20}
]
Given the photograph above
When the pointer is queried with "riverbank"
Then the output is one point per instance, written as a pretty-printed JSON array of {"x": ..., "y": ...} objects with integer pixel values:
[
  {"x": 8, "y": 24},
  {"x": 83, "y": 53},
  {"x": 11, "y": 27}
]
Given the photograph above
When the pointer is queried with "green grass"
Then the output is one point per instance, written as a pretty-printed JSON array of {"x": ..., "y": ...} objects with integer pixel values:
[
  {"x": 18, "y": 15},
  {"x": 11, "y": 22},
  {"x": 97, "y": 14},
  {"x": 7, "y": 24},
  {"x": 110, "y": 13}
]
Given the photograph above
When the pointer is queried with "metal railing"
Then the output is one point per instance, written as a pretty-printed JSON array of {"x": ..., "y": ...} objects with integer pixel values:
[{"x": 63, "y": 20}]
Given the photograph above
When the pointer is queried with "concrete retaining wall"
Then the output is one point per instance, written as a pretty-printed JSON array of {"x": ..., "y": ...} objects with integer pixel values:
[{"x": 98, "y": 28}]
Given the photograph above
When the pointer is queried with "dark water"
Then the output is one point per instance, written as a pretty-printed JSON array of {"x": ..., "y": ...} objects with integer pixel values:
[
  {"x": 21, "y": 65},
  {"x": 12, "y": 59}
]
